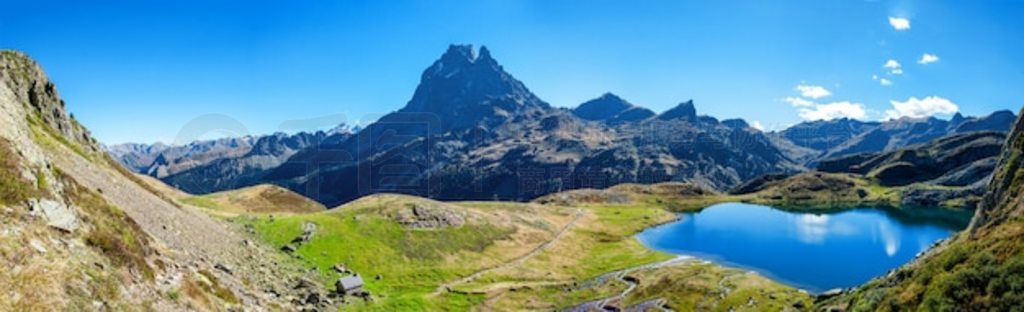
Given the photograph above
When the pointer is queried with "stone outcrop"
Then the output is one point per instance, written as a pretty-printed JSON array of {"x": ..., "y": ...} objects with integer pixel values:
[{"x": 427, "y": 216}]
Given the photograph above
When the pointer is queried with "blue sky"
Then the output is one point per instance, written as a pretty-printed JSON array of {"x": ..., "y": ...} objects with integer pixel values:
[{"x": 145, "y": 70}]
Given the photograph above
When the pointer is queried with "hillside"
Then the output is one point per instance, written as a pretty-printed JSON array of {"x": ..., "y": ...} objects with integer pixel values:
[
  {"x": 420, "y": 254},
  {"x": 259, "y": 199},
  {"x": 957, "y": 160},
  {"x": 82, "y": 233},
  {"x": 979, "y": 269}
]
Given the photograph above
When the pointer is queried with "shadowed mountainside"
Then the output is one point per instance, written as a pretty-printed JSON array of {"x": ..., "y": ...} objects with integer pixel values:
[{"x": 472, "y": 131}]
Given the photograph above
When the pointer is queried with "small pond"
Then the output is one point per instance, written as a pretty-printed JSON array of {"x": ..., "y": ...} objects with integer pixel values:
[{"x": 811, "y": 251}]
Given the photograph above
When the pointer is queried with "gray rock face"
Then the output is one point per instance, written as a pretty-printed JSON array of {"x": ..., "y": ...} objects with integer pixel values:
[
  {"x": 58, "y": 215},
  {"x": 26, "y": 79}
]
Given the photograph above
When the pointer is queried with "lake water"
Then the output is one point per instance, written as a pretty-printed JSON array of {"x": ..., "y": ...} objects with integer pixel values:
[{"x": 815, "y": 252}]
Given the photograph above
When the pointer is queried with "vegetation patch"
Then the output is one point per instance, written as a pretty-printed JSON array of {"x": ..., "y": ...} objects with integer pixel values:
[
  {"x": 14, "y": 189},
  {"x": 411, "y": 262},
  {"x": 704, "y": 286},
  {"x": 212, "y": 285},
  {"x": 260, "y": 199}
]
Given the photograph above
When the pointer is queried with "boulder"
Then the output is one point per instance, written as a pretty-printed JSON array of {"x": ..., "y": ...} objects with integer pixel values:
[{"x": 58, "y": 215}]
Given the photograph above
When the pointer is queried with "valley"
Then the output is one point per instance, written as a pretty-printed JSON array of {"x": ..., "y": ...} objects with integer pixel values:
[{"x": 519, "y": 206}]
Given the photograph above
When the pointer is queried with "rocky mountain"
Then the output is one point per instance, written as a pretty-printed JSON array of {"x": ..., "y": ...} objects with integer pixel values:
[
  {"x": 160, "y": 160},
  {"x": 610, "y": 108},
  {"x": 226, "y": 173},
  {"x": 841, "y": 137},
  {"x": 208, "y": 166},
  {"x": 824, "y": 135},
  {"x": 81, "y": 233},
  {"x": 472, "y": 131},
  {"x": 980, "y": 269},
  {"x": 136, "y": 156},
  {"x": 956, "y": 160}
]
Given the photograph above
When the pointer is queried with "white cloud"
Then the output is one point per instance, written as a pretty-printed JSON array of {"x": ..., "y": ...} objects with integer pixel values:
[
  {"x": 885, "y": 82},
  {"x": 797, "y": 101},
  {"x": 813, "y": 92},
  {"x": 893, "y": 66},
  {"x": 757, "y": 125},
  {"x": 917, "y": 108},
  {"x": 833, "y": 110},
  {"x": 928, "y": 59},
  {"x": 899, "y": 23}
]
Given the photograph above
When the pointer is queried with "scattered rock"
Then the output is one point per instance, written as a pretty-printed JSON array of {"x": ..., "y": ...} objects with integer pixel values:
[
  {"x": 37, "y": 245},
  {"x": 289, "y": 248},
  {"x": 223, "y": 267},
  {"x": 304, "y": 284},
  {"x": 313, "y": 297},
  {"x": 340, "y": 268},
  {"x": 829, "y": 294}
]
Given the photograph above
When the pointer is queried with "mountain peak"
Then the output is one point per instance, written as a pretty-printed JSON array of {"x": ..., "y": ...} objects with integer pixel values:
[
  {"x": 684, "y": 110},
  {"x": 459, "y": 53},
  {"x": 611, "y": 108},
  {"x": 957, "y": 118},
  {"x": 463, "y": 89}
]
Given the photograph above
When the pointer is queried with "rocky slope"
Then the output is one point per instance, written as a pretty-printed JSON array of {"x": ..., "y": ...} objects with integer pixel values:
[
  {"x": 980, "y": 269},
  {"x": 472, "y": 131},
  {"x": 81, "y": 233}
]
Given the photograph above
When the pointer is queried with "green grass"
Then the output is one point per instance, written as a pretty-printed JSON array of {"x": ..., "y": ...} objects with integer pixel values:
[
  {"x": 695, "y": 286},
  {"x": 412, "y": 262},
  {"x": 202, "y": 201},
  {"x": 612, "y": 245}
]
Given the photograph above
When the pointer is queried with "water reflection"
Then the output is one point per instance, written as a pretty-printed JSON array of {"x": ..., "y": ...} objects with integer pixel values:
[
  {"x": 812, "y": 229},
  {"x": 811, "y": 251}
]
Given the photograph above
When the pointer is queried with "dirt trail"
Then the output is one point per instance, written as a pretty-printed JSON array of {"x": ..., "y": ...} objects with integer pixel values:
[
  {"x": 517, "y": 261},
  {"x": 598, "y": 305}
]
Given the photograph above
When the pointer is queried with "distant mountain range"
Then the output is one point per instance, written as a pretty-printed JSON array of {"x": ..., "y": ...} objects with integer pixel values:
[
  {"x": 473, "y": 131},
  {"x": 213, "y": 165},
  {"x": 817, "y": 140}
]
